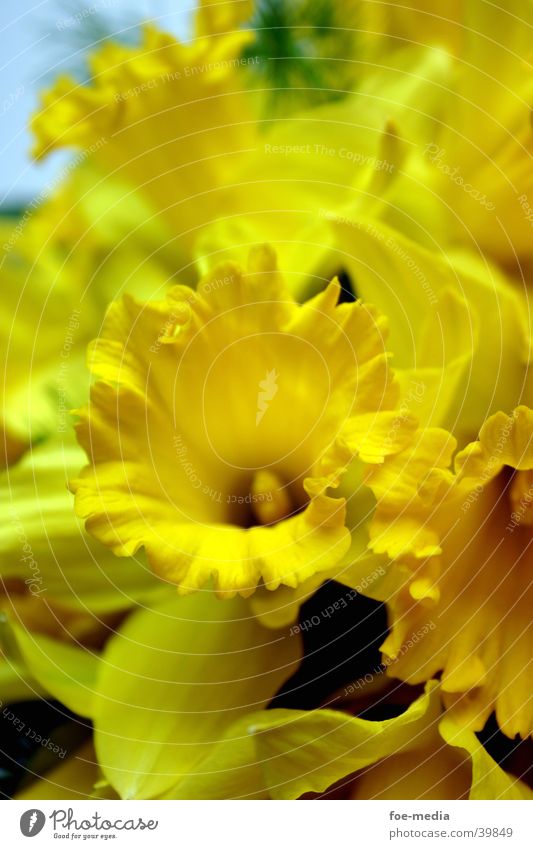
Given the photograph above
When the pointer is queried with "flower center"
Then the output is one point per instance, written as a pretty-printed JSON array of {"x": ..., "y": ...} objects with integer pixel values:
[
  {"x": 265, "y": 500},
  {"x": 521, "y": 498},
  {"x": 271, "y": 501}
]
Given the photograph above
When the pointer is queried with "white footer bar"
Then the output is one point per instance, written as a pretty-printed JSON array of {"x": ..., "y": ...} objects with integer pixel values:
[{"x": 268, "y": 825}]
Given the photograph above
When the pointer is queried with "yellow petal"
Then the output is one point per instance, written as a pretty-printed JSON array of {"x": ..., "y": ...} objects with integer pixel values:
[
  {"x": 400, "y": 523},
  {"x": 503, "y": 440},
  {"x": 308, "y": 751},
  {"x": 173, "y": 680},
  {"x": 229, "y": 771},
  {"x": 489, "y": 780},
  {"x": 436, "y": 302},
  {"x": 44, "y": 547},
  {"x": 65, "y": 671},
  {"x": 73, "y": 779}
]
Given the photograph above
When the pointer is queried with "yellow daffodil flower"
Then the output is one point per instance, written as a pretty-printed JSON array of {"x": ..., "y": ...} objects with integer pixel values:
[
  {"x": 166, "y": 118},
  {"x": 462, "y": 545},
  {"x": 223, "y": 419},
  {"x": 176, "y": 126}
]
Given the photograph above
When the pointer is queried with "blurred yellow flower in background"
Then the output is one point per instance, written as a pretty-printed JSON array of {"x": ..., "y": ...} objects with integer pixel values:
[
  {"x": 476, "y": 150},
  {"x": 178, "y": 125}
]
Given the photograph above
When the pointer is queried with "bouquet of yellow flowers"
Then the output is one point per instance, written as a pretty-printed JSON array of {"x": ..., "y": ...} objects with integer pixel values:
[{"x": 267, "y": 412}]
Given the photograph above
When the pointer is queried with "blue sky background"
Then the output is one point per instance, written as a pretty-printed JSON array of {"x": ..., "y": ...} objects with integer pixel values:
[{"x": 38, "y": 40}]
